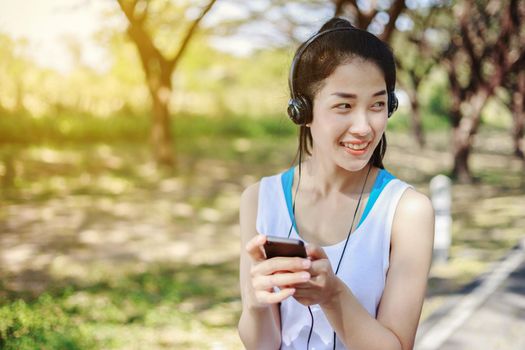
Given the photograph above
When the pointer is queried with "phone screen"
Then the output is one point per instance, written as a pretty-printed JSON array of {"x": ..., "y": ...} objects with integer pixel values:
[{"x": 277, "y": 246}]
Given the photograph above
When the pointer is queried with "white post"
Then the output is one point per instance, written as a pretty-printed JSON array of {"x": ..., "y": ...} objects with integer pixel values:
[{"x": 440, "y": 189}]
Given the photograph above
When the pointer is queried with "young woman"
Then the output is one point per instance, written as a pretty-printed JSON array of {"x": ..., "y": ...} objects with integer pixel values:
[{"x": 368, "y": 235}]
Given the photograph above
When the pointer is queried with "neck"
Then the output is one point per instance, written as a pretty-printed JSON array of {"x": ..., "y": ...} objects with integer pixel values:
[{"x": 325, "y": 179}]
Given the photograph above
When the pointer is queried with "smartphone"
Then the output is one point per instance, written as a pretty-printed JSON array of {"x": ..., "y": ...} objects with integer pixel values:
[{"x": 277, "y": 246}]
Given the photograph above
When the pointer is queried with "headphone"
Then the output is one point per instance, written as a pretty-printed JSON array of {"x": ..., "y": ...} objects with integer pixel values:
[{"x": 299, "y": 107}]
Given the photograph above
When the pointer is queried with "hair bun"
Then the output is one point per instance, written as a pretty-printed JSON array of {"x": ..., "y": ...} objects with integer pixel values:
[{"x": 336, "y": 22}]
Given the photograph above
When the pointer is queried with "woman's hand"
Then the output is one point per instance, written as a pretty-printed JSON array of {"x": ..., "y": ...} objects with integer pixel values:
[
  {"x": 323, "y": 285},
  {"x": 280, "y": 272}
]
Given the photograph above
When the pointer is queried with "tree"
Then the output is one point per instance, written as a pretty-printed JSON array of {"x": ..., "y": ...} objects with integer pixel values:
[
  {"x": 365, "y": 14},
  {"x": 515, "y": 87},
  {"x": 482, "y": 53},
  {"x": 420, "y": 54},
  {"x": 158, "y": 66},
  {"x": 274, "y": 24},
  {"x": 14, "y": 70}
]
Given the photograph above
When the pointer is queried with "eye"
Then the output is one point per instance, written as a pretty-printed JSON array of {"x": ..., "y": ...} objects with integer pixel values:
[
  {"x": 378, "y": 105},
  {"x": 343, "y": 106}
]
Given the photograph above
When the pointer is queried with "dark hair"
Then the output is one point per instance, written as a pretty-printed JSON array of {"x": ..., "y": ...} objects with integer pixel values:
[{"x": 324, "y": 55}]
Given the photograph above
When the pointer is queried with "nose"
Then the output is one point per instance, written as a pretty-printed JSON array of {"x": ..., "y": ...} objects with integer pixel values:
[{"x": 359, "y": 124}]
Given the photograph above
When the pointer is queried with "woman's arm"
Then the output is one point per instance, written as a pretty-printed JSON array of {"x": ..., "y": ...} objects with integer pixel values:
[
  {"x": 259, "y": 326},
  {"x": 400, "y": 308}
]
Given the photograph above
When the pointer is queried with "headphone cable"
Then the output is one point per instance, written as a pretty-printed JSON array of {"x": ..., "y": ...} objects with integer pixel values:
[{"x": 344, "y": 248}]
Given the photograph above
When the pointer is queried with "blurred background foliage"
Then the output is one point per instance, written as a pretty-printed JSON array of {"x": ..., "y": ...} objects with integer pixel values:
[{"x": 107, "y": 242}]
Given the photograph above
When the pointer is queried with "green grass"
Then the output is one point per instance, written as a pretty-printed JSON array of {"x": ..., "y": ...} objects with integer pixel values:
[
  {"x": 24, "y": 129},
  {"x": 43, "y": 323},
  {"x": 76, "y": 128},
  {"x": 71, "y": 314},
  {"x": 71, "y": 128}
]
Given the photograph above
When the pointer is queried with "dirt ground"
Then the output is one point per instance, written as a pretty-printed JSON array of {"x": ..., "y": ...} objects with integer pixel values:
[{"x": 54, "y": 232}]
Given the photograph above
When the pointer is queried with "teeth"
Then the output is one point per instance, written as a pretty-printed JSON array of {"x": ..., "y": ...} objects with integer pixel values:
[{"x": 355, "y": 147}]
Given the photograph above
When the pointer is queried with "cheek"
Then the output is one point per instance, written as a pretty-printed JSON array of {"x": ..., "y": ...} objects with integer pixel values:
[
  {"x": 379, "y": 124},
  {"x": 324, "y": 134},
  {"x": 322, "y": 125},
  {"x": 319, "y": 133}
]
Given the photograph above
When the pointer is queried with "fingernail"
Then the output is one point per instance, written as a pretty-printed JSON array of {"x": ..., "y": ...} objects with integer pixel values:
[
  {"x": 305, "y": 276},
  {"x": 307, "y": 263}
]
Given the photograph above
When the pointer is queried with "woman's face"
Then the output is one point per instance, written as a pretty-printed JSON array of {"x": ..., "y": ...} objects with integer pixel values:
[{"x": 350, "y": 114}]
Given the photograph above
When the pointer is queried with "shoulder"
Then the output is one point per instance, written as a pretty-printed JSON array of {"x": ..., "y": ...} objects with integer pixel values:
[
  {"x": 413, "y": 226},
  {"x": 268, "y": 184},
  {"x": 414, "y": 203},
  {"x": 248, "y": 211},
  {"x": 250, "y": 195}
]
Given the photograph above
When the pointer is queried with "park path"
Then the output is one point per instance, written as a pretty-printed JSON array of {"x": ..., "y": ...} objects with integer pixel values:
[{"x": 491, "y": 316}]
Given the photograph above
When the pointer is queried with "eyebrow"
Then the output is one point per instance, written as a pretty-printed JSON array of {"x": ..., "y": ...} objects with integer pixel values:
[{"x": 347, "y": 95}]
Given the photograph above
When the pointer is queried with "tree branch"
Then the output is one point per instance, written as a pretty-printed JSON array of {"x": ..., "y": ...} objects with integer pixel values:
[
  {"x": 393, "y": 13},
  {"x": 138, "y": 34},
  {"x": 172, "y": 62},
  {"x": 476, "y": 77}
]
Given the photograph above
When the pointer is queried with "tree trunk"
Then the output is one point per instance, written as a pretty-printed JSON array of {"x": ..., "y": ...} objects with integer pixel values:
[
  {"x": 462, "y": 145},
  {"x": 161, "y": 137},
  {"x": 518, "y": 114},
  {"x": 464, "y": 132},
  {"x": 158, "y": 69},
  {"x": 417, "y": 125},
  {"x": 415, "y": 118},
  {"x": 339, "y": 7},
  {"x": 20, "y": 106},
  {"x": 8, "y": 180},
  {"x": 517, "y": 133}
]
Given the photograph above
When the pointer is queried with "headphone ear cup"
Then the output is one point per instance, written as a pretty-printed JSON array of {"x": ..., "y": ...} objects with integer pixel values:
[
  {"x": 299, "y": 110},
  {"x": 392, "y": 103},
  {"x": 293, "y": 110}
]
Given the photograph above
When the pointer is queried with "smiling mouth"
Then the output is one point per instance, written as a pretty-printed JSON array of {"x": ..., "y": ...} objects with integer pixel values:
[{"x": 355, "y": 147}]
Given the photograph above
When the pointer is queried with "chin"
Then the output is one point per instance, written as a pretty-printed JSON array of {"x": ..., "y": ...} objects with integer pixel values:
[{"x": 354, "y": 166}]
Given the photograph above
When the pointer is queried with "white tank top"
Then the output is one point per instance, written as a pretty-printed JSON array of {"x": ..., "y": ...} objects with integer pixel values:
[{"x": 364, "y": 265}]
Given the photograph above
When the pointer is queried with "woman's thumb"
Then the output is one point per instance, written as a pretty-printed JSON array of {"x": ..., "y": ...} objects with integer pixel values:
[{"x": 315, "y": 252}]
